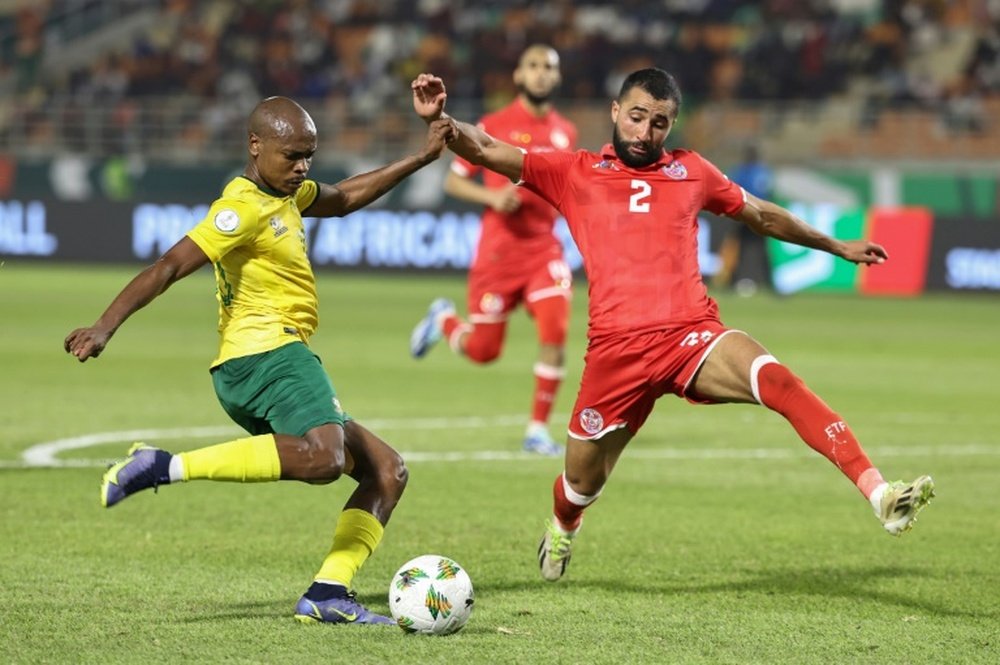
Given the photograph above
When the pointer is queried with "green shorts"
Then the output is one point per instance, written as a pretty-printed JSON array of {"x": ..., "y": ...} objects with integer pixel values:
[{"x": 284, "y": 391}]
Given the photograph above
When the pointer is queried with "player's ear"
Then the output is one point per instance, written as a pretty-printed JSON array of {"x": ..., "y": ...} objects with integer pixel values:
[
  {"x": 253, "y": 144},
  {"x": 615, "y": 109}
]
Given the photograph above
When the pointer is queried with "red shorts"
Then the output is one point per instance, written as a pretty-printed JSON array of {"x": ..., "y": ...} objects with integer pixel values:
[
  {"x": 496, "y": 290},
  {"x": 624, "y": 375}
]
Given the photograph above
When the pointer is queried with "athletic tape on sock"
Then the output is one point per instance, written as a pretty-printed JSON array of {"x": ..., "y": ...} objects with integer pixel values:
[
  {"x": 576, "y": 498},
  {"x": 549, "y": 371},
  {"x": 759, "y": 362}
]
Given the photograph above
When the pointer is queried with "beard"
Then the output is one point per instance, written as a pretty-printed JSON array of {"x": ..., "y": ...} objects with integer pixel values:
[
  {"x": 535, "y": 100},
  {"x": 629, "y": 159}
]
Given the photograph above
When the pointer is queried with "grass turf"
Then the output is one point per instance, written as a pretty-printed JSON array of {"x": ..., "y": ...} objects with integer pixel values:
[{"x": 720, "y": 538}]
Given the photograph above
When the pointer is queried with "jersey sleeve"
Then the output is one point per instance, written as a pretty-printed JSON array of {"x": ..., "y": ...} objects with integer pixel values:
[
  {"x": 227, "y": 225},
  {"x": 722, "y": 196},
  {"x": 306, "y": 195},
  {"x": 547, "y": 174}
]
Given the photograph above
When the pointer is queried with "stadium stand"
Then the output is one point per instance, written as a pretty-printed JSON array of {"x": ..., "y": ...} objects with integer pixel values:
[{"x": 819, "y": 79}]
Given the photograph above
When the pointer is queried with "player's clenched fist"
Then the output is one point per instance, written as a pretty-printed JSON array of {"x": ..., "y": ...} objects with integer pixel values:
[
  {"x": 440, "y": 133},
  {"x": 84, "y": 343}
]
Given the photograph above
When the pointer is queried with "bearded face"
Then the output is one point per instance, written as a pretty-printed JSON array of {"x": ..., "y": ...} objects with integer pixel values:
[
  {"x": 636, "y": 154},
  {"x": 641, "y": 126}
]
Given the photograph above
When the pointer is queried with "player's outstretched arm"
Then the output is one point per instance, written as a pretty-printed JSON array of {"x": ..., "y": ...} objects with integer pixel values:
[
  {"x": 770, "y": 219},
  {"x": 358, "y": 191},
  {"x": 472, "y": 143},
  {"x": 178, "y": 262},
  {"x": 504, "y": 199}
]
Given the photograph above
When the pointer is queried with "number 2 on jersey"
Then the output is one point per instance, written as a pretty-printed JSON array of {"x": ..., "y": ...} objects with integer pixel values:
[{"x": 637, "y": 202}]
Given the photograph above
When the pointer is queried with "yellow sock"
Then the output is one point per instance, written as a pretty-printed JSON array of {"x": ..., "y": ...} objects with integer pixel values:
[
  {"x": 250, "y": 460},
  {"x": 357, "y": 535}
]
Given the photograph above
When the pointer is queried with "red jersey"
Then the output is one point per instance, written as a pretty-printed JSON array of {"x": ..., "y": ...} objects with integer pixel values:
[
  {"x": 637, "y": 230},
  {"x": 528, "y": 230}
]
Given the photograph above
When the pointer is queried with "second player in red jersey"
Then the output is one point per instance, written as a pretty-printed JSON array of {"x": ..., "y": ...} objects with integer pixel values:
[
  {"x": 518, "y": 259},
  {"x": 633, "y": 210}
]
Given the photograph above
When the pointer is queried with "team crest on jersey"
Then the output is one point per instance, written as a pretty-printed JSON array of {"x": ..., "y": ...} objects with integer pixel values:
[
  {"x": 491, "y": 303},
  {"x": 591, "y": 421},
  {"x": 517, "y": 136},
  {"x": 559, "y": 139},
  {"x": 279, "y": 228},
  {"x": 226, "y": 220},
  {"x": 675, "y": 170},
  {"x": 605, "y": 164}
]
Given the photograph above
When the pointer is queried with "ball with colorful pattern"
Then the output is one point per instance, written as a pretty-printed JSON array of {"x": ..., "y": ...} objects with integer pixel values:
[{"x": 431, "y": 595}]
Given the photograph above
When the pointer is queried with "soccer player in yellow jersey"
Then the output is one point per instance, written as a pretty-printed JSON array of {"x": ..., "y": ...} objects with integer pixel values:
[{"x": 265, "y": 376}]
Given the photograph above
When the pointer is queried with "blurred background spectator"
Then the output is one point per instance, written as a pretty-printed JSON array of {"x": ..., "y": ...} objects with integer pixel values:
[
  {"x": 171, "y": 80},
  {"x": 744, "y": 265}
]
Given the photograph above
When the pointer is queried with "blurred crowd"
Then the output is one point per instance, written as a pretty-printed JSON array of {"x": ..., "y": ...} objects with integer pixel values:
[{"x": 225, "y": 55}]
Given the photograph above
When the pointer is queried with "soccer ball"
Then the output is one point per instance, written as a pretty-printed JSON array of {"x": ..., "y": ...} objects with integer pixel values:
[{"x": 432, "y": 595}]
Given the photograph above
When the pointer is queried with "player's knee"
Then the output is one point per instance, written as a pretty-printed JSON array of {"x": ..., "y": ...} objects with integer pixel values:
[
  {"x": 552, "y": 319},
  {"x": 327, "y": 467},
  {"x": 394, "y": 475},
  {"x": 587, "y": 485},
  {"x": 324, "y": 460},
  {"x": 482, "y": 349},
  {"x": 553, "y": 332}
]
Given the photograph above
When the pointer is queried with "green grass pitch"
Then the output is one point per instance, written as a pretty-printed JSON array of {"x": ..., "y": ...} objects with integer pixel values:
[{"x": 721, "y": 538}]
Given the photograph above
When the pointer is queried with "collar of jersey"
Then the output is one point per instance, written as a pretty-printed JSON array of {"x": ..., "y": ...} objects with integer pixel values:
[
  {"x": 267, "y": 190},
  {"x": 526, "y": 112}
]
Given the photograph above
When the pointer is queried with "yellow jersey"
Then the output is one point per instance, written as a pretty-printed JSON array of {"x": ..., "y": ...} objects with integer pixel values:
[{"x": 257, "y": 242}]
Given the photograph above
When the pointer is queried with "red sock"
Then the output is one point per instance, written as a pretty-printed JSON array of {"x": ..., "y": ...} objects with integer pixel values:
[
  {"x": 454, "y": 330},
  {"x": 547, "y": 381},
  {"x": 448, "y": 325},
  {"x": 818, "y": 425},
  {"x": 568, "y": 507}
]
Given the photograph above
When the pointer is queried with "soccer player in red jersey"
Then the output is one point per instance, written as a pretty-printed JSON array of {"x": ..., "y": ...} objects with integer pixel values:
[
  {"x": 633, "y": 211},
  {"x": 518, "y": 258}
]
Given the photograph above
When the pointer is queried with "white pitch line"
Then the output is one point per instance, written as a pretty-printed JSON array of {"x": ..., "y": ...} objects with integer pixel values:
[
  {"x": 44, "y": 455},
  {"x": 712, "y": 453}
]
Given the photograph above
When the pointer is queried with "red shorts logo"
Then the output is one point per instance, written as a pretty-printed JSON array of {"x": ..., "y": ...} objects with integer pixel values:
[
  {"x": 591, "y": 421},
  {"x": 491, "y": 303}
]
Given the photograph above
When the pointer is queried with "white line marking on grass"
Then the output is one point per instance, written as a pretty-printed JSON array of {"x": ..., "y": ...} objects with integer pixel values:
[
  {"x": 710, "y": 453},
  {"x": 44, "y": 455}
]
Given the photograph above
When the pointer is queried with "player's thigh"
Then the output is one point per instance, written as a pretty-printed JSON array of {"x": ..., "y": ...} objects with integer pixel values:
[{"x": 724, "y": 376}]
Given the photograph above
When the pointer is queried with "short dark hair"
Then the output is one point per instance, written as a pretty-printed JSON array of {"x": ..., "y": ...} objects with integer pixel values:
[{"x": 657, "y": 82}]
